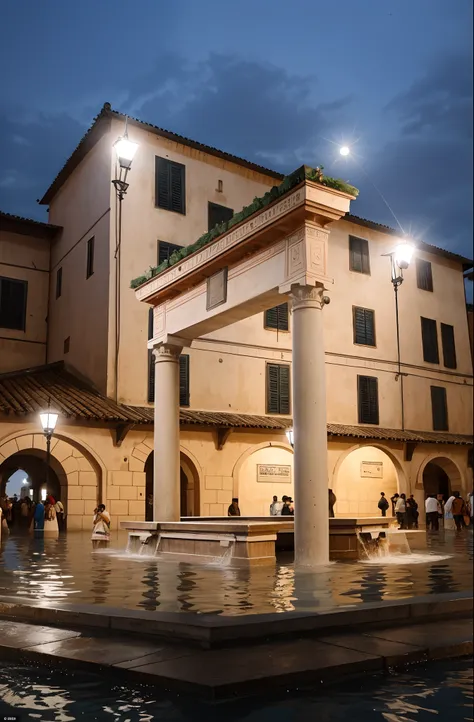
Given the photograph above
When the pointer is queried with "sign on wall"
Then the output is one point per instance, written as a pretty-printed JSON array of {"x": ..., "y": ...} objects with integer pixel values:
[
  {"x": 274, "y": 473},
  {"x": 371, "y": 469},
  {"x": 217, "y": 289}
]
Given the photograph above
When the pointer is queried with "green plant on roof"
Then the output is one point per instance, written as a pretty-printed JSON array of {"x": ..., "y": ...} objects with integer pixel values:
[{"x": 289, "y": 182}]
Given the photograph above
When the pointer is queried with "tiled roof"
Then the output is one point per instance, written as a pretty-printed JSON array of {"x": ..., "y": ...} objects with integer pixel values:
[
  {"x": 10, "y": 222},
  {"x": 23, "y": 393},
  {"x": 97, "y": 128}
]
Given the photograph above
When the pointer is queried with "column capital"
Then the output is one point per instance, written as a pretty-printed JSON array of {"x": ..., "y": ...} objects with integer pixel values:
[
  {"x": 307, "y": 297},
  {"x": 167, "y": 352}
]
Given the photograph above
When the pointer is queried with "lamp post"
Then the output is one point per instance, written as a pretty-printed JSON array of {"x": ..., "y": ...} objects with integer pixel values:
[
  {"x": 48, "y": 422},
  {"x": 400, "y": 259},
  {"x": 125, "y": 152}
]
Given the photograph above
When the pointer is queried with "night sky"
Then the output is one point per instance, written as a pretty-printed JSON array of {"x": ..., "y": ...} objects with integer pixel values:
[{"x": 279, "y": 83}]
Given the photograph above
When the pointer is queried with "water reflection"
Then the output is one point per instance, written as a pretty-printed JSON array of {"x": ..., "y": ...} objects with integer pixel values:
[
  {"x": 436, "y": 691},
  {"x": 66, "y": 568}
]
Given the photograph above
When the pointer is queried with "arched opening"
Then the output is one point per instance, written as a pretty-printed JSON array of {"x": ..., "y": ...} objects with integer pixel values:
[
  {"x": 441, "y": 476},
  {"x": 189, "y": 487},
  {"x": 362, "y": 475},
  {"x": 262, "y": 474}
]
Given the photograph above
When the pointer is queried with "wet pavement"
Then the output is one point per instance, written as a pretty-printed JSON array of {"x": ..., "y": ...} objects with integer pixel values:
[{"x": 66, "y": 569}]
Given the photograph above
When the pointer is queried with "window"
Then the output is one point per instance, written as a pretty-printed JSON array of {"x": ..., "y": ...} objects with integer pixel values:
[
  {"x": 90, "y": 257},
  {"x": 359, "y": 260},
  {"x": 59, "y": 282},
  {"x": 424, "y": 276},
  {"x": 217, "y": 214},
  {"x": 363, "y": 321},
  {"x": 13, "y": 294},
  {"x": 165, "y": 250},
  {"x": 429, "y": 337},
  {"x": 368, "y": 399},
  {"x": 66, "y": 344},
  {"x": 183, "y": 379},
  {"x": 151, "y": 361},
  {"x": 439, "y": 408},
  {"x": 449, "y": 349},
  {"x": 170, "y": 191},
  {"x": 277, "y": 317},
  {"x": 278, "y": 389}
]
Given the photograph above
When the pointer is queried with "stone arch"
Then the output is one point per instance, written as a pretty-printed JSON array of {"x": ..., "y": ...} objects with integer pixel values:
[
  {"x": 437, "y": 470},
  {"x": 78, "y": 468},
  {"x": 362, "y": 500},
  {"x": 239, "y": 468},
  {"x": 190, "y": 483}
]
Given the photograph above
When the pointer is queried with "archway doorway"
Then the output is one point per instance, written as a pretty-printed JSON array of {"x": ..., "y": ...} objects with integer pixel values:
[
  {"x": 362, "y": 475},
  {"x": 441, "y": 476},
  {"x": 189, "y": 487}
]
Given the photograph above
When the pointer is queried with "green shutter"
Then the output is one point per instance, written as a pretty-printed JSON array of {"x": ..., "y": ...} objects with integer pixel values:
[
  {"x": 429, "y": 337},
  {"x": 364, "y": 326},
  {"x": 284, "y": 389},
  {"x": 368, "y": 399},
  {"x": 165, "y": 250},
  {"x": 424, "y": 276},
  {"x": 170, "y": 192},
  {"x": 278, "y": 389},
  {"x": 151, "y": 377},
  {"x": 359, "y": 259},
  {"x": 217, "y": 214},
  {"x": 277, "y": 317},
  {"x": 184, "y": 380},
  {"x": 449, "y": 348},
  {"x": 177, "y": 188},
  {"x": 13, "y": 295},
  {"x": 439, "y": 408}
]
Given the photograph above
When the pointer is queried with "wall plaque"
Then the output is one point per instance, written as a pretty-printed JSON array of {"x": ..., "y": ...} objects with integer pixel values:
[
  {"x": 274, "y": 473},
  {"x": 371, "y": 469},
  {"x": 217, "y": 289}
]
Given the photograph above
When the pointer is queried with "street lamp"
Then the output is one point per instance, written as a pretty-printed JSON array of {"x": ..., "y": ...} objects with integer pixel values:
[
  {"x": 125, "y": 152},
  {"x": 48, "y": 422},
  {"x": 290, "y": 435},
  {"x": 400, "y": 259}
]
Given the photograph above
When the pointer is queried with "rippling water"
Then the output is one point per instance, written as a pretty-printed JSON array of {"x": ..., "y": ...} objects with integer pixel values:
[
  {"x": 66, "y": 569},
  {"x": 440, "y": 691}
]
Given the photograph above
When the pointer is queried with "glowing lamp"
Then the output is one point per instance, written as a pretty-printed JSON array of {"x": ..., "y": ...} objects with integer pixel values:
[
  {"x": 344, "y": 150},
  {"x": 48, "y": 422},
  {"x": 290, "y": 435},
  {"x": 403, "y": 254},
  {"x": 125, "y": 151}
]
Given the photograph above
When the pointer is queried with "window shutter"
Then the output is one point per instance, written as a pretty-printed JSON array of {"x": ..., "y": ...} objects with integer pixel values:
[
  {"x": 13, "y": 295},
  {"x": 429, "y": 337},
  {"x": 359, "y": 259},
  {"x": 165, "y": 250},
  {"x": 439, "y": 408},
  {"x": 364, "y": 326},
  {"x": 90, "y": 257},
  {"x": 59, "y": 282},
  {"x": 151, "y": 377},
  {"x": 150, "y": 323},
  {"x": 278, "y": 389},
  {"x": 368, "y": 399},
  {"x": 424, "y": 276},
  {"x": 449, "y": 349},
  {"x": 277, "y": 317},
  {"x": 217, "y": 214},
  {"x": 184, "y": 380},
  {"x": 169, "y": 185}
]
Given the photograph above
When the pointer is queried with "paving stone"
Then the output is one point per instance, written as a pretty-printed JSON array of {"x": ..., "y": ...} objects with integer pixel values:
[
  {"x": 160, "y": 655},
  {"x": 431, "y": 636},
  {"x": 392, "y": 652},
  {"x": 20, "y": 636},
  {"x": 101, "y": 650}
]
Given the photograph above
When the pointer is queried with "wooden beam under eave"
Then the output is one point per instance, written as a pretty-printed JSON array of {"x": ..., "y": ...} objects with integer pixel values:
[
  {"x": 120, "y": 432},
  {"x": 222, "y": 434}
]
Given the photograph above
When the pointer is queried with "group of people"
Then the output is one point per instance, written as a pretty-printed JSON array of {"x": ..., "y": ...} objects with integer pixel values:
[
  {"x": 455, "y": 512},
  {"x": 285, "y": 507},
  {"x": 26, "y": 515}
]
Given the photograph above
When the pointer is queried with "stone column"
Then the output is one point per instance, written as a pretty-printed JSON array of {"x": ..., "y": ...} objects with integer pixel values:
[
  {"x": 166, "y": 465},
  {"x": 309, "y": 421}
]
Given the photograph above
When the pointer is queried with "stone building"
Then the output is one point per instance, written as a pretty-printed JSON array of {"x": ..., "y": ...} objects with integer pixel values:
[{"x": 72, "y": 333}]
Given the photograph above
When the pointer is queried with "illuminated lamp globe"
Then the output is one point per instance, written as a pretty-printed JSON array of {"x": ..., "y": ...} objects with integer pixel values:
[
  {"x": 125, "y": 151},
  {"x": 48, "y": 421},
  {"x": 403, "y": 254}
]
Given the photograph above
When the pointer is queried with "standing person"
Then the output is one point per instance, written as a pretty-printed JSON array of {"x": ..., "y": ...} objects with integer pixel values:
[
  {"x": 394, "y": 500},
  {"x": 401, "y": 510},
  {"x": 38, "y": 517},
  {"x": 50, "y": 519},
  {"x": 286, "y": 510},
  {"x": 432, "y": 507},
  {"x": 448, "y": 514},
  {"x": 25, "y": 512},
  {"x": 332, "y": 501},
  {"x": 100, "y": 527},
  {"x": 59, "y": 509},
  {"x": 412, "y": 512},
  {"x": 459, "y": 510},
  {"x": 233, "y": 509},
  {"x": 275, "y": 507},
  {"x": 383, "y": 504}
]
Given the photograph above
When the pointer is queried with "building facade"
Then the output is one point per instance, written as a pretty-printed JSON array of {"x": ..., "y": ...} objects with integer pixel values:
[{"x": 90, "y": 357}]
